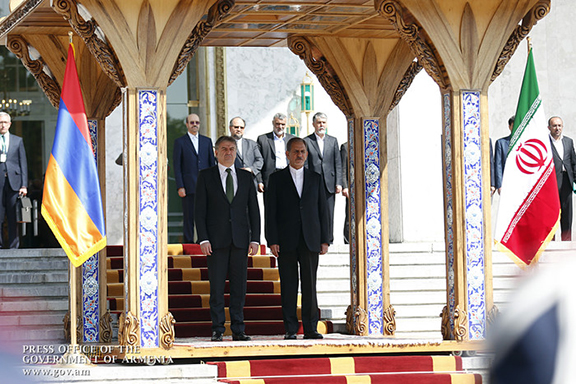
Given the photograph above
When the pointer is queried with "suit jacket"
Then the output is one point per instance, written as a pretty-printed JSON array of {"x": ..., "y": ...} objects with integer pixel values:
[
  {"x": 344, "y": 160},
  {"x": 289, "y": 215},
  {"x": 268, "y": 151},
  {"x": 187, "y": 163},
  {"x": 250, "y": 157},
  {"x": 500, "y": 154},
  {"x": 16, "y": 164},
  {"x": 327, "y": 164},
  {"x": 221, "y": 222},
  {"x": 569, "y": 160}
]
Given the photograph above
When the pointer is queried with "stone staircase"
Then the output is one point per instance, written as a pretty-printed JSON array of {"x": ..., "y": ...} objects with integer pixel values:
[
  {"x": 34, "y": 288},
  {"x": 33, "y": 295}
]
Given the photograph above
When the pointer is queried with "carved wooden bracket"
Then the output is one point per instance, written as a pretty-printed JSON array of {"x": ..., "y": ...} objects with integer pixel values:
[
  {"x": 356, "y": 321},
  {"x": 14, "y": 18},
  {"x": 492, "y": 315},
  {"x": 215, "y": 14},
  {"x": 167, "y": 333},
  {"x": 389, "y": 321},
  {"x": 326, "y": 75},
  {"x": 460, "y": 324},
  {"x": 409, "y": 76},
  {"x": 445, "y": 327},
  {"x": 416, "y": 38},
  {"x": 106, "y": 328},
  {"x": 536, "y": 14},
  {"x": 128, "y": 329},
  {"x": 19, "y": 46},
  {"x": 87, "y": 30},
  {"x": 66, "y": 322}
]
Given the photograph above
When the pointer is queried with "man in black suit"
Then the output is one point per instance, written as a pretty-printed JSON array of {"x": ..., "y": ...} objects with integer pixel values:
[
  {"x": 192, "y": 152},
  {"x": 296, "y": 232},
  {"x": 228, "y": 225},
  {"x": 273, "y": 149},
  {"x": 324, "y": 158},
  {"x": 565, "y": 166},
  {"x": 248, "y": 155},
  {"x": 14, "y": 181},
  {"x": 500, "y": 154}
]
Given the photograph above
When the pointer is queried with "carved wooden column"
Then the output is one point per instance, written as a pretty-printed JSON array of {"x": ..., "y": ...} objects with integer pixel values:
[
  {"x": 365, "y": 78},
  {"x": 464, "y": 46}
]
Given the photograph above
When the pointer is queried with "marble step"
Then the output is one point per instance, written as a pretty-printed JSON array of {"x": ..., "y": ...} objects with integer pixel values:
[{"x": 54, "y": 276}]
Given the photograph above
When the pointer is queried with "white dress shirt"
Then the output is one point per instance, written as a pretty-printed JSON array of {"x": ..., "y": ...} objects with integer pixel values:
[
  {"x": 280, "y": 152},
  {"x": 559, "y": 148},
  {"x": 194, "y": 139},
  {"x": 298, "y": 178},
  {"x": 239, "y": 147},
  {"x": 223, "y": 175},
  {"x": 320, "y": 141}
]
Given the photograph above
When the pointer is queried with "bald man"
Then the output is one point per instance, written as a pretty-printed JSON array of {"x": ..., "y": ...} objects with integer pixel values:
[{"x": 192, "y": 153}]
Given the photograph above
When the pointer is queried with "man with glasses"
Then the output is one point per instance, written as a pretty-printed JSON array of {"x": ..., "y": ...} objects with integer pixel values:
[
  {"x": 248, "y": 156},
  {"x": 13, "y": 178},
  {"x": 192, "y": 153}
]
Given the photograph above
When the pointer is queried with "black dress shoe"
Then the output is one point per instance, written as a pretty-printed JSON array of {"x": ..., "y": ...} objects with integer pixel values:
[
  {"x": 216, "y": 336},
  {"x": 290, "y": 336},
  {"x": 241, "y": 337},
  {"x": 313, "y": 335}
]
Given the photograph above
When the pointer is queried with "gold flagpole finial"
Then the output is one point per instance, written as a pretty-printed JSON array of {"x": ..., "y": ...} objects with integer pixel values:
[
  {"x": 70, "y": 36},
  {"x": 529, "y": 40}
]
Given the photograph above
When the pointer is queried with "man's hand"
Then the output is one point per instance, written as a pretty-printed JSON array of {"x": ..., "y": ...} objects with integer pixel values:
[
  {"x": 260, "y": 187},
  {"x": 253, "y": 249},
  {"x": 275, "y": 248},
  {"x": 345, "y": 192},
  {"x": 247, "y": 169},
  {"x": 324, "y": 249},
  {"x": 23, "y": 191},
  {"x": 338, "y": 188},
  {"x": 206, "y": 248},
  {"x": 182, "y": 192}
]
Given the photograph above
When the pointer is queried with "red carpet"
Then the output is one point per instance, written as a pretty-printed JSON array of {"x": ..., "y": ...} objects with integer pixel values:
[
  {"x": 189, "y": 292},
  {"x": 359, "y": 369}
]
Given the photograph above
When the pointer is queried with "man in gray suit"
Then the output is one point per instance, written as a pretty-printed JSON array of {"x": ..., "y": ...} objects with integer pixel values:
[
  {"x": 273, "y": 149},
  {"x": 324, "y": 158},
  {"x": 248, "y": 155},
  {"x": 14, "y": 179},
  {"x": 565, "y": 166}
]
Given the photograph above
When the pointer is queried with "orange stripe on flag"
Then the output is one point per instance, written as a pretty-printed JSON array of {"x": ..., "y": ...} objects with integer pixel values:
[{"x": 66, "y": 216}]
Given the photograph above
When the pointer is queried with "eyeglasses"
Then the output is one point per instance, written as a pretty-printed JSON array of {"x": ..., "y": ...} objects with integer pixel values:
[
  {"x": 5, "y": 122},
  {"x": 194, "y": 122},
  {"x": 237, "y": 126}
]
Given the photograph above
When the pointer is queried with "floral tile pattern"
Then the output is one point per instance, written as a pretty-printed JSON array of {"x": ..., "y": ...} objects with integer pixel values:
[
  {"x": 474, "y": 218},
  {"x": 448, "y": 209},
  {"x": 148, "y": 223},
  {"x": 90, "y": 280},
  {"x": 373, "y": 225}
]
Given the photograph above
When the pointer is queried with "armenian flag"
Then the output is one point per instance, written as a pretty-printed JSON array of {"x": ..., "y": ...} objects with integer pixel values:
[
  {"x": 529, "y": 211},
  {"x": 72, "y": 202}
]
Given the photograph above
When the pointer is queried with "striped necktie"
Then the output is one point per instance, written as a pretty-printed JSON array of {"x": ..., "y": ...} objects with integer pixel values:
[{"x": 229, "y": 185}]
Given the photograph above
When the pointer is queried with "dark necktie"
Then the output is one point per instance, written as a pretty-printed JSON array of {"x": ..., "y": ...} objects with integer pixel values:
[{"x": 229, "y": 185}]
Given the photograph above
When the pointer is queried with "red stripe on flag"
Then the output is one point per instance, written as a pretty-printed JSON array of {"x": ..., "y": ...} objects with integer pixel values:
[{"x": 524, "y": 239}]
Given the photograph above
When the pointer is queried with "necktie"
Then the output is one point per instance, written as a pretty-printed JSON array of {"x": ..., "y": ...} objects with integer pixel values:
[
  {"x": 3, "y": 144},
  {"x": 229, "y": 185}
]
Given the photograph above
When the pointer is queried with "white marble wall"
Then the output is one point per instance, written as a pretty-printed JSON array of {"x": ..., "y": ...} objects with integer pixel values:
[{"x": 114, "y": 178}]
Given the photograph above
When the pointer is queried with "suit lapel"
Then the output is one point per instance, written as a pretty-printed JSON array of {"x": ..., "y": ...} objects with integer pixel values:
[
  {"x": 216, "y": 179},
  {"x": 316, "y": 146},
  {"x": 290, "y": 181}
]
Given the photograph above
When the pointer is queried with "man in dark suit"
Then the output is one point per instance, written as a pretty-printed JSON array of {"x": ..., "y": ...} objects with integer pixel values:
[
  {"x": 565, "y": 166},
  {"x": 324, "y": 158},
  {"x": 296, "y": 232},
  {"x": 500, "y": 154},
  {"x": 14, "y": 179},
  {"x": 192, "y": 153},
  {"x": 273, "y": 149},
  {"x": 345, "y": 193},
  {"x": 248, "y": 155},
  {"x": 228, "y": 224}
]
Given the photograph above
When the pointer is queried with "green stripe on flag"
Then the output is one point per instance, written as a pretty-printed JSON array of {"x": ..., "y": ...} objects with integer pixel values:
[{"x": 528, "y": 103}]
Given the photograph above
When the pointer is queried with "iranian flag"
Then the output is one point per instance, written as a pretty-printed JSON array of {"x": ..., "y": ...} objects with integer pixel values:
[{"x": 529, "y": 211}]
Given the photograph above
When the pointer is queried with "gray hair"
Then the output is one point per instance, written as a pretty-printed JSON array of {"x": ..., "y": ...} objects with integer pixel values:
[
  {"x": 279, "y": 116},
  {"x": 234, "y": 118},
  {"x": 319, "y": 115},
  {"x": 6, "y": 114}
]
